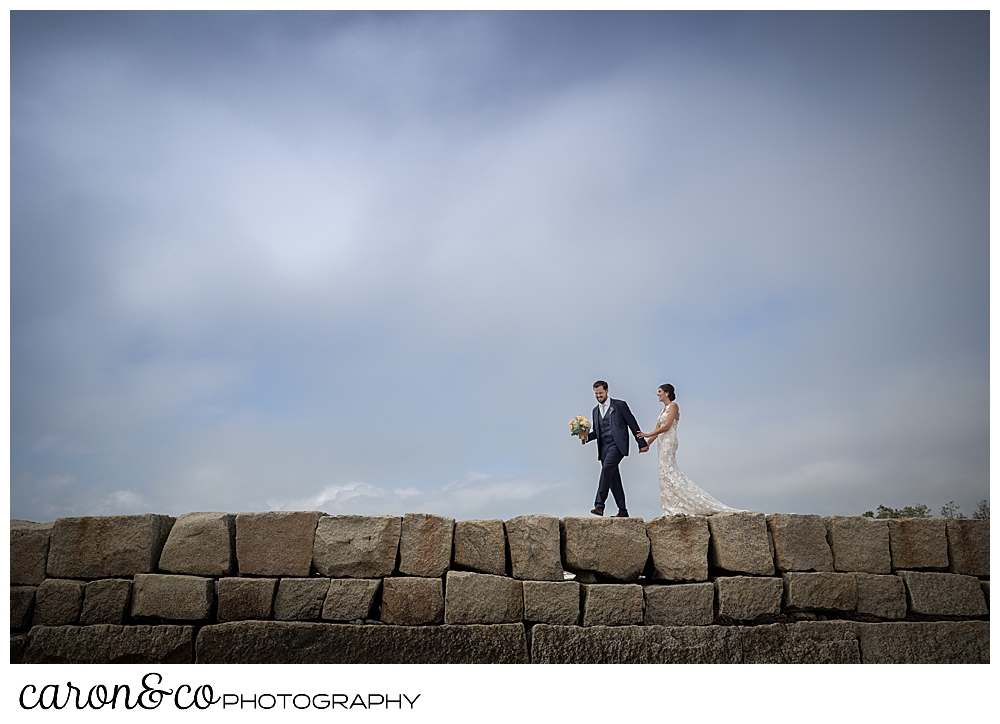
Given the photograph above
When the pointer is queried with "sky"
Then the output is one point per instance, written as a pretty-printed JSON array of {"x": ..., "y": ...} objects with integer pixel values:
[{"x": 373, "y": 262}]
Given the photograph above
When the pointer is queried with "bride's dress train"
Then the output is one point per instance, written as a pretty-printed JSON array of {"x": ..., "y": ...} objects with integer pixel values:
[{"x": 678, "y": 495}]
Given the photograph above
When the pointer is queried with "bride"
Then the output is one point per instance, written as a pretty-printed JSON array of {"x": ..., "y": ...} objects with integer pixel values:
[{"x": 678, "y": 495}]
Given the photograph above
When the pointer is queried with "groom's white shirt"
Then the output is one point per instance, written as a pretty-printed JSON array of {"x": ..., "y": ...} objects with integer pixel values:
[{"x": 604, "y": 407}]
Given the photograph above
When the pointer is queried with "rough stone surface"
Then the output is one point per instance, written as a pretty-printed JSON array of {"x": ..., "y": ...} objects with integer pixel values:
[
  {"x": 635, "y": 645},
  {"x": 425, "y": 543},
  {"x": 679, "y": 547},
  {"x": 739, "y": 543},
  {"x": 106, "y": 601},
  {"x": 552, "y": 602},
  {"x": 349, "y": 599},
  {"x": 278, "y": 642},
  {"x": 109, "y": 644},
  {"x": 859, "y": 544},
  {"x": 744, "y": 598},
  {"x": 356, "y": 546},
  {"x": 22, "y": 606},
  {"x": 276, "y": 543},
  {"x": 968, "y": 547},
  {"x": 245, "y": 599},
  {"x": 683, "y": 604},
  {"x": 535, "y": 553},
  {"x": 201, "y": 544},
  {"x": 820, "y": 591},
  {"x": 614, "y": 547},
  {"x": 818, "y": 642},
  {"x": 18, "y": 643},
  {"x": 882, "y": 596},
  {"x": 412, "y": 601},
  {"x": 482, "y": 598},
  {"x": 799, "y": 542},
  {"x": 930, "y": 642},
  {"x": 173, "y": 598},
  {"x": 106, "y": 546},
  {"x": 986, "y": 591},
  {"x": 944, "y": 594},
  {"x": 480, "y": 545},
  {"x": 918, "y": 543},
  {"x": 57, "y": 602},
  {"x": 29, "y": 549},
  {"x": 612, "y": 604},
  {"x": 300, "y": 599}
]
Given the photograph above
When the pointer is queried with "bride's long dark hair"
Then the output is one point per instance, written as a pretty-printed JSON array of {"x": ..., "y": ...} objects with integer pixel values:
[{"x": 669, "y": 390}]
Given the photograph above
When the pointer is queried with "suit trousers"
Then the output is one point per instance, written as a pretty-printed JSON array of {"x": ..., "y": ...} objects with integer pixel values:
[{"x": 611, "y": 478}]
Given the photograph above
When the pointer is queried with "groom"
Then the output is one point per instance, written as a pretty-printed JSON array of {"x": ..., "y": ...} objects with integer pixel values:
[{"x": 612, "y": 421}]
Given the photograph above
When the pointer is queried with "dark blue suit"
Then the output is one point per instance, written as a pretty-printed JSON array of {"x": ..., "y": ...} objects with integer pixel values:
[{"x": 612, "y": 435}]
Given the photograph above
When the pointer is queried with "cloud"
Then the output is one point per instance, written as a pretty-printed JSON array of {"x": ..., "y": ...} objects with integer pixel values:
[
  {"x": 52, "y": 496},
  {"x": 123, "y": 502},
  {"x": 475, "y": 495},
  {"x": 333, "y": 498}
]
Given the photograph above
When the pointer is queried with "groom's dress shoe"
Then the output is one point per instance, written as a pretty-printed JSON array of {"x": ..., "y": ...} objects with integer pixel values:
[
  {"x": 598, "y": 511},
  {"x": 620, "y": 514}
]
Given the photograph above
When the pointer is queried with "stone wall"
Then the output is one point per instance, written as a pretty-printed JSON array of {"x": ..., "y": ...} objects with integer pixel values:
[{"x": 304, "y": 586}]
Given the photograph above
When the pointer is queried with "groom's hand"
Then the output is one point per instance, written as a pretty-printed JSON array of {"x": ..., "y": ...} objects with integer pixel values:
[{"x": 644, "y": 449}]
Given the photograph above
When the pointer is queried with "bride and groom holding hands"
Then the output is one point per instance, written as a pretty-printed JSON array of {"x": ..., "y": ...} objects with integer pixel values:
[{"x": 613, "y": 425}]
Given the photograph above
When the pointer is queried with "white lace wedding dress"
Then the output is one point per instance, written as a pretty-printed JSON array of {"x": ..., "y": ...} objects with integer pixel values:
[{"x": 678, "y": 495}]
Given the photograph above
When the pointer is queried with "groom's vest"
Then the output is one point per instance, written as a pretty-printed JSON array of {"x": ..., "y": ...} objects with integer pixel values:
[{"x": 607, "y": 438}]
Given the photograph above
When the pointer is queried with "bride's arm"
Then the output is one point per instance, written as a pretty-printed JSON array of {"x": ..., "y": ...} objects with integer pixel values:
[
  {"x": 671, "y": 416},
  {"x": 649, "y": 435}
]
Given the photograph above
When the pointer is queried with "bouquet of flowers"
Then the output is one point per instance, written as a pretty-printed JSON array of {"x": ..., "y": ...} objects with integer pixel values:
[{"x": 579, "y": 424}]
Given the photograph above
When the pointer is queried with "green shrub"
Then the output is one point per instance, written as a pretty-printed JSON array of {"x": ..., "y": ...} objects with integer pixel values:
[
  {"x": 915, "y": 511},
  {"x": 949, "y": 510}
]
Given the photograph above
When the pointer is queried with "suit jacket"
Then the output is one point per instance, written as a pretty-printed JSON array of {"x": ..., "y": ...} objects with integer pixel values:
[{"x": 621, "y": 420}]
